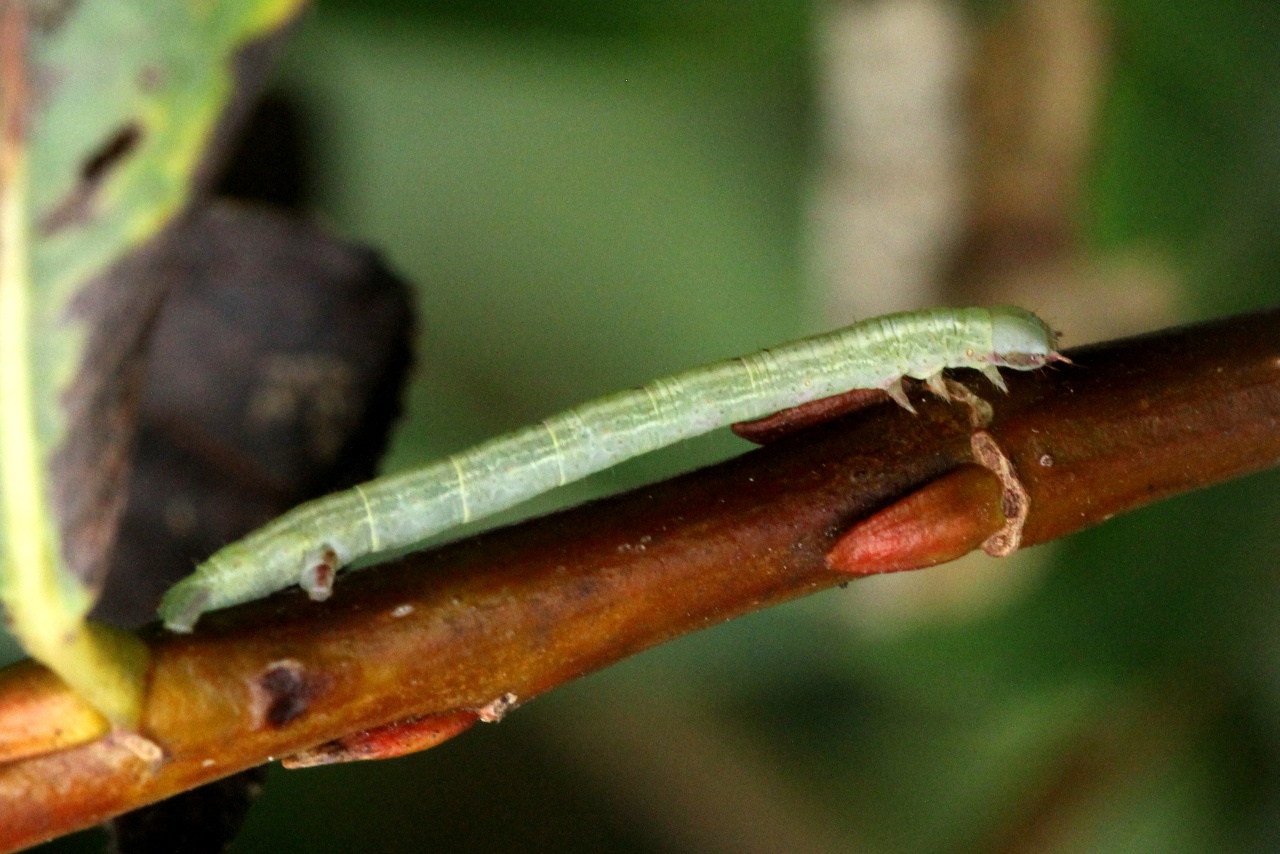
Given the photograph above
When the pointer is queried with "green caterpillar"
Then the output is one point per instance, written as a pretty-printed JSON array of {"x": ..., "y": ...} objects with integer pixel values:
[{"x": 309, "y": 544}]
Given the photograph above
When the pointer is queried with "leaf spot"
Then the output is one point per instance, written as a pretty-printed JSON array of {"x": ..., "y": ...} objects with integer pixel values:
[
  {"x": 76, "y": 206},
  {"x": 110, "y": 153}
]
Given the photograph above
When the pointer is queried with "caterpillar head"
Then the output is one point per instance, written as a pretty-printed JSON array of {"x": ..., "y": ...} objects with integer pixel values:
[{"x": 1022, "y": 341}]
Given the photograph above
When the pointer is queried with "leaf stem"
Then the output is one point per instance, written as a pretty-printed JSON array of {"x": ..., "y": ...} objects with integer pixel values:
[{"x": 46, "y": 607}]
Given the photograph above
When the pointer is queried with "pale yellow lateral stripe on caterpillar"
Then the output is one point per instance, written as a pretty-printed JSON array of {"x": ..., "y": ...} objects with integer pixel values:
[
  {"x": 462, "y": 490},
  {"x": 402, "y": 509},
  {"x": 374, "y": 544},
  {"x": 555, "y": 448}
]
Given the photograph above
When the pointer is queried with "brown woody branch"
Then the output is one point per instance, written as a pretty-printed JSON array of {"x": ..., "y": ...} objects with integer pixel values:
[{"x": 524, "y": 609}]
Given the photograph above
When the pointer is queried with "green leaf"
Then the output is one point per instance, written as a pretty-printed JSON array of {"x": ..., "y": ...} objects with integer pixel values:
[{"x": 108, "y": 111}]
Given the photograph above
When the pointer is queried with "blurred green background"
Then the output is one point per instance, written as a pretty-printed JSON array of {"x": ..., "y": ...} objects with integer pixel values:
[{"x": 589, "y": 194}]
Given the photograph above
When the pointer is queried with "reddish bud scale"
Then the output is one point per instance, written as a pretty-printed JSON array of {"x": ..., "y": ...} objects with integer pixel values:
[
  {"x": 943, "y": 521},
  {"x": 773, "y": 427},
  {"x": 398, "y": 738}
]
